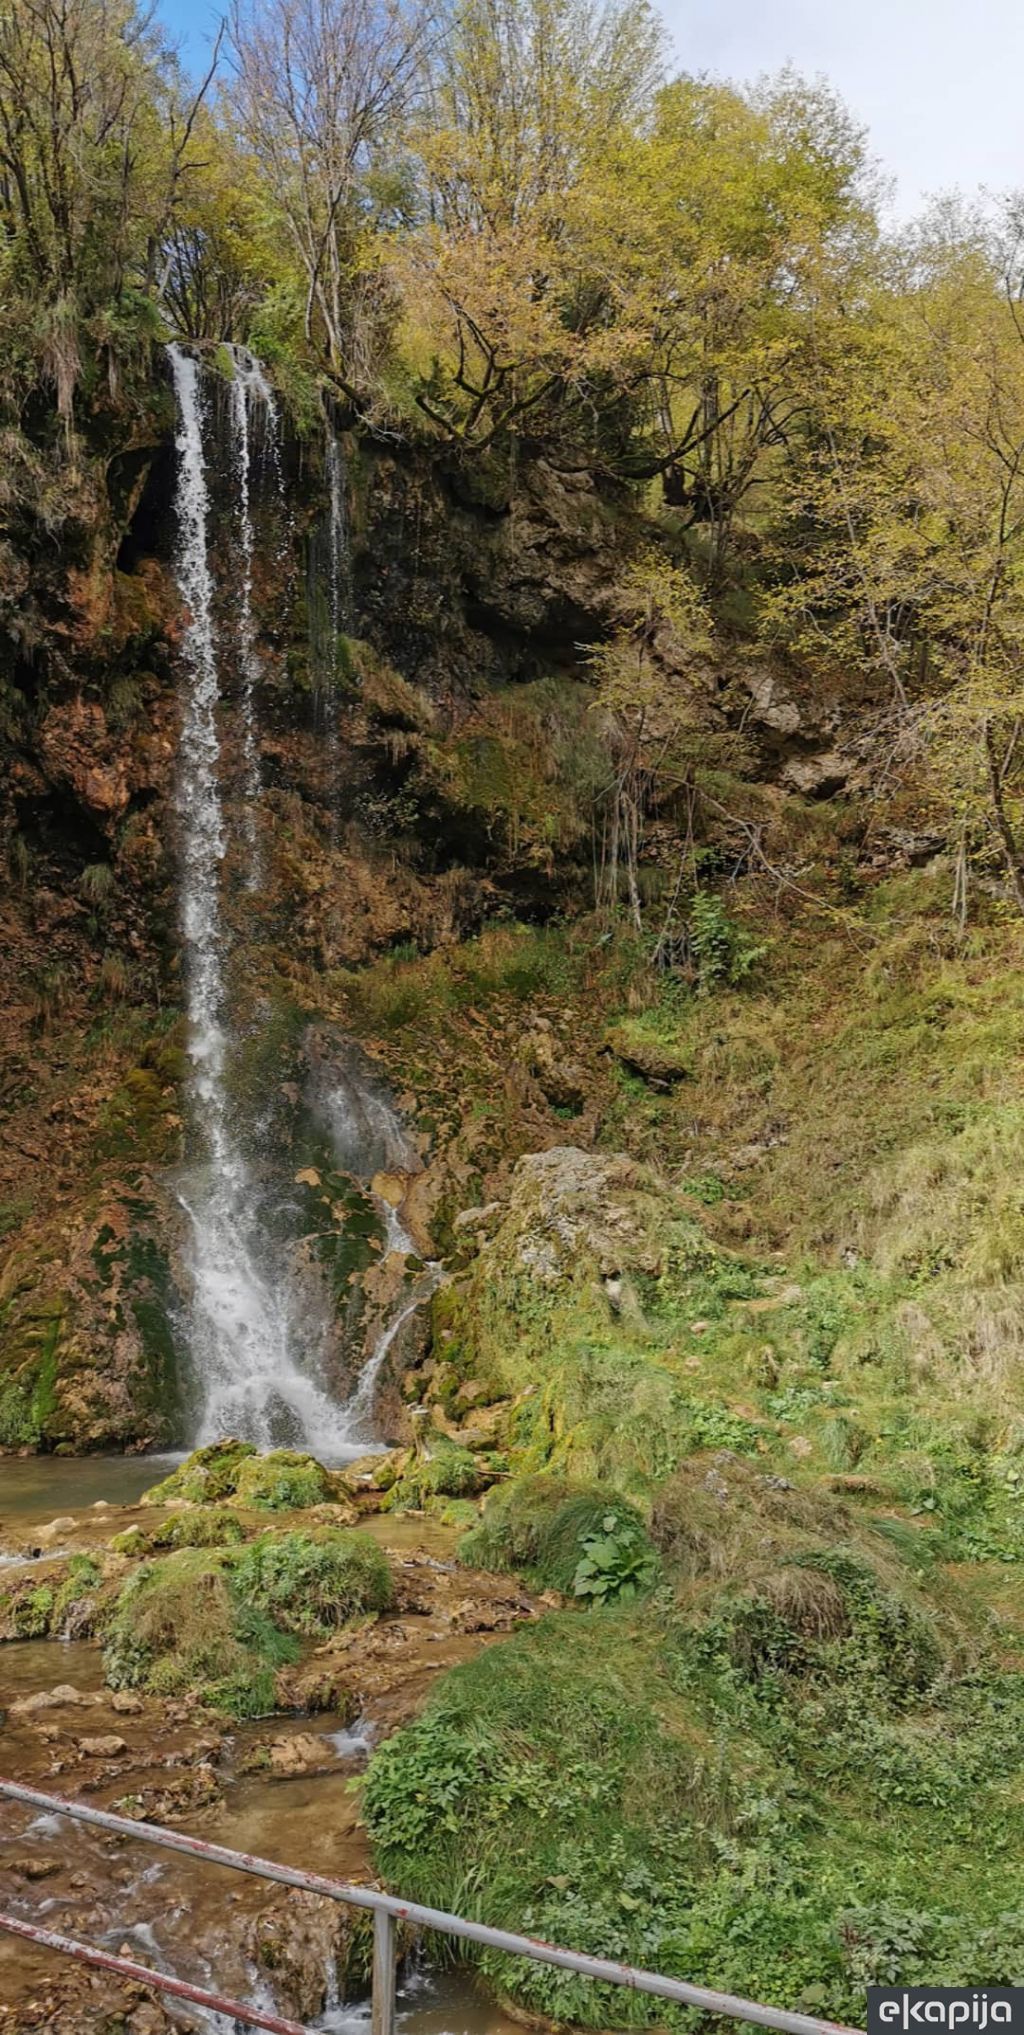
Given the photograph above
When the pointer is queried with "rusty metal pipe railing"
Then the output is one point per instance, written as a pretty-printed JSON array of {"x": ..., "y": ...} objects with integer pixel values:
[
  {"x": 124, "y": 1967},
  {"x": 728, "y": 2006}
]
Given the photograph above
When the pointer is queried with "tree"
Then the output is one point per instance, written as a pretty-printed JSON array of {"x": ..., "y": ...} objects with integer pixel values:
[
  {"x": 320, "y": 92},
  {"x": 904, "y": 548},
  {"x": 647, "y": 689},
  {"x": 735, "y": 204},
  {"x": 95, "y": 131},
  {"x": 505, "y": 310}
]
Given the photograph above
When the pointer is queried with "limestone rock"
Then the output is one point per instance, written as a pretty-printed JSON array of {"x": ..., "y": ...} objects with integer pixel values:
[
  {"x": 303, "y": 1940},
  {"x": 819, "y": 775},
  {"x": 302, "y": 1754},
  {"x": 106, "y": 1746}
]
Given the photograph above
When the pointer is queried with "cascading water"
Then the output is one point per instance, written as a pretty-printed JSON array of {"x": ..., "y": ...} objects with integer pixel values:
[
  {"x": 338, "y": 568},
  {"x": 253, "y": 1348},
  {"x": 253, "y": 411},
  {"x": 244, "y": 1337}
]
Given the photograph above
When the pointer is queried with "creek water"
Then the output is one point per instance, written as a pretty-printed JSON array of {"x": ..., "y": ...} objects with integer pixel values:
[{"x": 42, "y": 1487}]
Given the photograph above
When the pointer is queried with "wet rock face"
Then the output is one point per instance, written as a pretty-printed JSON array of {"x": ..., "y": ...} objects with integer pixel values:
[
  {"x": 92, "y": 1355},
  {"x": 498, "y": 574}
]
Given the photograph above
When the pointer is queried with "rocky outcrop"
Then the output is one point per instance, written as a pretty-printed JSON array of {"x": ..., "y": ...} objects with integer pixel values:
[{"x": 90, "y": 1307}]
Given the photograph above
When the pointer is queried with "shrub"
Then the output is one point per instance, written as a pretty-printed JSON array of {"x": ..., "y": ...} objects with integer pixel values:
[
  {"x": 723, "y": 951},
  {"x": 547, "y": 1529},
  {"x": 313, "y": 1582}
]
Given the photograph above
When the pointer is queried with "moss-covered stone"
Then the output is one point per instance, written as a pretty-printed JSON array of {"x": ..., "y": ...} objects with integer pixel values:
[
  {"x": 311, "y": 1583},
  {"x": 444, "y": 1470},
  {"x": 283, "y": 1481},
  {"x": 220, "y": 1622},
  {"x": 207, "y": 1476},
  {"x": 61, "y": 1605},
  {"x": 180, "y": 1626},
  {"x": 235, "y": 1473}
]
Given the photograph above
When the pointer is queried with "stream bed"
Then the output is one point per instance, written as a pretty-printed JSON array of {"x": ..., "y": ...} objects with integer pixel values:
[{"x": 62, "y": 1730}]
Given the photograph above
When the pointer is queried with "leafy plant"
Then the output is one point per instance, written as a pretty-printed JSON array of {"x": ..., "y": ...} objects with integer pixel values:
[
  {"x": 724, "y": 953},
  {"x": 616, "y": 1564}
]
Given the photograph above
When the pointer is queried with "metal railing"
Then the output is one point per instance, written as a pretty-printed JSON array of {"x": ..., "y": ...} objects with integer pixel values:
[{"x": 388, "y": 1910}]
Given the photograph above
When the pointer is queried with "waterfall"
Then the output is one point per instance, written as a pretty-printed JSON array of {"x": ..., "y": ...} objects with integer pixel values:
[
  {"x": 329, "y": 608},
  {"x": 338, "y": 567},
  {"x": 252, "y": 405},
  {"x": 245, "y": 1341}
]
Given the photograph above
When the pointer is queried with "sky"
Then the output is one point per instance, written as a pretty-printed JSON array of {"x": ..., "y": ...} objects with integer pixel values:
[{"x": 937, "y": 83}]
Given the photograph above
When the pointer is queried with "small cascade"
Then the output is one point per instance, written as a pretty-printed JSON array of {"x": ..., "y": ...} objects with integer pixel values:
[
  {"x": 369, "y": 1138},
  {"x": 245, "y": 1341},
  {"x": 254, "y": 421},
  {"x": 339, "y": 567},
  {"x": 329, "y": 604}
]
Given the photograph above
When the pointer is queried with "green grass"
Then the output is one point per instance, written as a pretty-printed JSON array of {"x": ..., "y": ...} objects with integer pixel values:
[
  {"x": 790, "y": 1781},
  {"x": 218, "y": 1622},
  {"x": 312, "y": 1583}
]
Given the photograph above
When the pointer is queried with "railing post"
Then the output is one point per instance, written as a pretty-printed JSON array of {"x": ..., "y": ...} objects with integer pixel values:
[{"x": 382, "y": 2021}]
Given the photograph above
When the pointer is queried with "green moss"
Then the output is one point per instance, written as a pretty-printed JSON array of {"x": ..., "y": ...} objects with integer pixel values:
[
  {"x": 204, "y": 1526},
  {"x": 311, "y": 1583},
  {"x": 151, "y": 1297},
  {"x": 74, "y": 1599},
  {"x": 44, "y": 1389},
  {"x": 449, "y": 1471},
  {"x": 26, "y": 1609},
  {"x": 206, "y": 1476},
  {"x": 219, "y": 1622},
  {"x": 62, "y": 1606},
  {"x": 18, "y": 1426},
  {"x": 179, "y": 1624},
  {"x": 282, "y": 1481},
  {"x": 136, "y": 1122}
]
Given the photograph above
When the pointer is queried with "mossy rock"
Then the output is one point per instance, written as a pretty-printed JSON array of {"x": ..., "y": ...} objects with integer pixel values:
[
  {"x": 26, "y": 1610},
  {"x": 283, "y": 1481},
  {"x": 62, "y": 1606},
  {"x": 221, "y": 1622},
  {"x": 200, "y": 1526},
  {"x": 449, "y": 1471},
  {"x": 206, "y": 1477},
  {"x": 537, "y": 1528},
  {"x": 311, "y": 1583},
  {"x": 180, "y": 1626},
  {"x": 658, "y": 1059},
  {"x": 233, "y": 1472}
]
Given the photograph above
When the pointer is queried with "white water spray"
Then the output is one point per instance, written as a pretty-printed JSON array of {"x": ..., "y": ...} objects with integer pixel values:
[{"x": 244, "y": 1340}]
